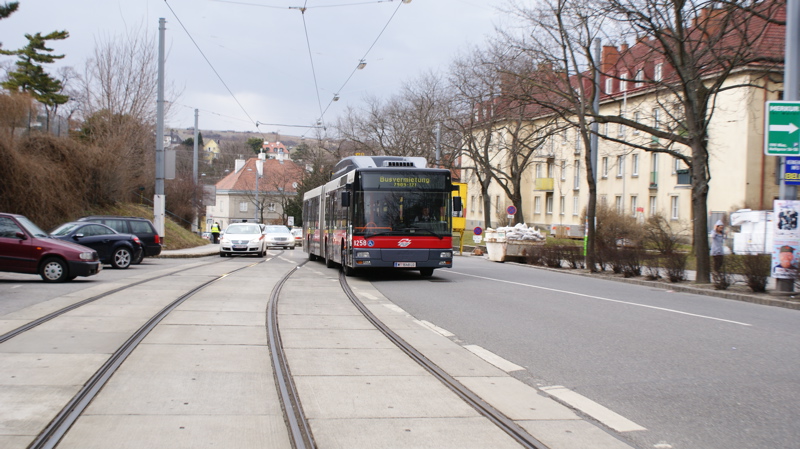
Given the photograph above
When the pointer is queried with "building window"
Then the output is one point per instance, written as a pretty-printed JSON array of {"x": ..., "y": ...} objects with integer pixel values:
[
  {"x": 605, "y": 167},
  {"x": 472, "y": 204},
  {"x": 620, "y": 166},
  {"x": 652, "y": 206},
  {"x": 674, "y": 211},
  {"x": 575, "y": 205},
  {"x": 564, "y": 170},
  {"x": 550, "y": 170},
  {"x": 659, "y": 72},
  {"x": 243, "y": 206},
  {"x": 609, "y": 85},
  {"x": 548, "y": 204},
  {"x": 577, "y": 142},
  {"x": 497, "y": 204},
  {"x": 577, "y": 175},
  {"x": 538, "y": 171},
  {"x": 634, "y": 204},
  {"x": 623, "y": 81},
  {"x": 676, "y": 165},
  {"x": 636, "y": 118},
  {"x": 656, "y": 118},
  {"x": 537, "y": 205},
  {"x": 562, "y": 205},
  {"x": 634, "y": 165},
  {"x": 271, "y": 207},
  {"x": 640, "y": 78},
  {"x": 618, "y": 203},
  {"x": 480, "y": 204},
  {"x": 621, "y": 128}
]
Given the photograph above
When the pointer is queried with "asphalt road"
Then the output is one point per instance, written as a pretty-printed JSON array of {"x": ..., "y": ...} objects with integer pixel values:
[{"x": 693, "y": 371}]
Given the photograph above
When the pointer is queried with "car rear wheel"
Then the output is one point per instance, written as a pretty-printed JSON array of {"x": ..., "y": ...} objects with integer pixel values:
[
  {"x": 54, "y": 270},
  {"x": 122, "y": 258}
]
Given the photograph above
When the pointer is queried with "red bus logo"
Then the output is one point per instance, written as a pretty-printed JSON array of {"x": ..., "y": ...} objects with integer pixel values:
[{"x": 403, "y": 243}]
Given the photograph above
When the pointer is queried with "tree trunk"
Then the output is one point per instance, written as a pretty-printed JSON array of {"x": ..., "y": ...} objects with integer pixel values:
[{"x": 700, "y": 214}]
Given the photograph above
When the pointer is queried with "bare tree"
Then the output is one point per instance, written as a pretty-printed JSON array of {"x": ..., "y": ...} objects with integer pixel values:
[{"x": 703, "y": 45}]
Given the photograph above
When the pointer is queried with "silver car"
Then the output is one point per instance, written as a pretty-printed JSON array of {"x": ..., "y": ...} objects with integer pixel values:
[
  {"x": 243, "y": 238},
  {"x": 279, "y": 235}
]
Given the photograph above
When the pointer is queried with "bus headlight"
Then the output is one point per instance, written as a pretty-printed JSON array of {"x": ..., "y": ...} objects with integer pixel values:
[
  {"x": 362, "y": 254},
  {"x": 446, "y": 255}
]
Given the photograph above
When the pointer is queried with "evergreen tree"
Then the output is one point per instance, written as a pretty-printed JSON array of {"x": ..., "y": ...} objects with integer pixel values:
[
  {"x": 7, "y": 9},
  {"x": 30, "y": 76}
]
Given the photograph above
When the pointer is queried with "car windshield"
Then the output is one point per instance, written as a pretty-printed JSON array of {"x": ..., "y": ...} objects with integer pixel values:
[
  {"x": 243, "y": 229},
  {"x": 31, "y": 227},
  {"x": 64, "y": 229},
  {"x": 276, "y": 230}
]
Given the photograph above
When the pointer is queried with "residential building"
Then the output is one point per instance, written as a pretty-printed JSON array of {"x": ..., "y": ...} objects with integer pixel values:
[
  {"x": 640, "y": 182},
  {"x": 242, "y": 195}
]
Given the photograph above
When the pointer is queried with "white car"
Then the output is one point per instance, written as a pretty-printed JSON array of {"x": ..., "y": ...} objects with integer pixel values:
[
  {"x": 243, "y": 238},
  {"x": 298, "y": 236},
  {"x": 279, "y": 235}
]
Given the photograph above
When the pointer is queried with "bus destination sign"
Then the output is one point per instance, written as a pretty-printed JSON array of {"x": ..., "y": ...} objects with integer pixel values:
[{"x": 395, "y": 181}]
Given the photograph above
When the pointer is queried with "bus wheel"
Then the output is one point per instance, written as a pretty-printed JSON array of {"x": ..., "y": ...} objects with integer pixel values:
[{"x": 425, "y": 272}]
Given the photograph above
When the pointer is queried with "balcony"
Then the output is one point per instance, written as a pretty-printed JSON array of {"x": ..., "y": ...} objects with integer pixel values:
[
  {"x": 653, "y": 180},
  {"x": 544, "y": 184}
]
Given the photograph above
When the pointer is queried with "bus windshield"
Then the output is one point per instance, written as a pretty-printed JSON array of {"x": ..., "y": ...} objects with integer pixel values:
[{"x": 402, "y": 212}]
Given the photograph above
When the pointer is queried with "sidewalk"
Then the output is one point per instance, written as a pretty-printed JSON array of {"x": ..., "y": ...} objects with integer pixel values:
[{"x": 212, "y": 249}]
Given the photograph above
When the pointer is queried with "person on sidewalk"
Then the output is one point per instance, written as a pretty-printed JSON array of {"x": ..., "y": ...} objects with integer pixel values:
[
  {"x": 215, "y": 232},
  {"x": 718, "y": 245}
]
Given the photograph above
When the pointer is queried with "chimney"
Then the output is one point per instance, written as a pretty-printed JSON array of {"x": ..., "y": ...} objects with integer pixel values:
[
  {"x": 609, "y": 58},
  {"x": 238, "y": 165}
]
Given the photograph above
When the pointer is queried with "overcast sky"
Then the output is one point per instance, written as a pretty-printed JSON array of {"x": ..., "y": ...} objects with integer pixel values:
[{"x": 260, "y": 48}]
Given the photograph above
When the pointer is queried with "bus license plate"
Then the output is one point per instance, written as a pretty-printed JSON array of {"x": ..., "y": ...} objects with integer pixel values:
[{"x": 405, "y": 264}]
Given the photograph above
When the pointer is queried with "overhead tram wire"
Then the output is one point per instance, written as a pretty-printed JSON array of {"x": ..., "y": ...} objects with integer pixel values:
[
  {"x": 322, "y": 113},
  {"x": 210, "y": 64}
]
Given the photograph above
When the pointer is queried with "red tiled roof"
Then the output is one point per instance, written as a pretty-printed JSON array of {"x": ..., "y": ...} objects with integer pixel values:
[{"x": 277, "y": 175}]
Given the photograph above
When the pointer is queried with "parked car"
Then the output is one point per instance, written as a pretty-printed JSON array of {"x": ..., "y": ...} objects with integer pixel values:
[
  {"x": 298, "y": 236},
  {"x": 138, "y": 226},
  {"x": 243, "y": 238},
  {"x": 118, "y": 250},
  {"x": 279, "y": 235},
  {"x": 25, "y": 248}
]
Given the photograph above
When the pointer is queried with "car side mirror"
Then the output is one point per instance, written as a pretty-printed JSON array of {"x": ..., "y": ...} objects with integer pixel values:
[
  {"x": 21, "y": 236},
  {"x": 77, "y": 236}
]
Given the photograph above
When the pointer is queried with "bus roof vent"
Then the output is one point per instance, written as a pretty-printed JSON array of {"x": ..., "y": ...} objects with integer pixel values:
[{"x": 353, "y": 162}]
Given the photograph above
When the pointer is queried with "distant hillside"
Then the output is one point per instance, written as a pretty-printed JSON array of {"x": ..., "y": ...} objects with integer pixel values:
[{"x": 238, "y": 136}]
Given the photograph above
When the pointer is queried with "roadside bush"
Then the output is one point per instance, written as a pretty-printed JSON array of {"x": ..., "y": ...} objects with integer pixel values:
[
  {"x": 632, "y": 261},
  {"x": 652, "y": 267},
  {"x": 675, "y": 265},
  {"x": 756, "y": 270},
  {"x": 661, "y": 235}
]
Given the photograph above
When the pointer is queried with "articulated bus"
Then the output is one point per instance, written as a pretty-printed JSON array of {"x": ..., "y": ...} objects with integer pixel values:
[{"x": 379, "y": 212}]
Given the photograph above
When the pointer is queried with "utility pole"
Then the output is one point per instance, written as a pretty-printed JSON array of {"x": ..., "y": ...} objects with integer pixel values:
[
  {"x": 159, "y": 199},
  {"x": 194, "y": 175},
  {"x": 791, "y": 92}
]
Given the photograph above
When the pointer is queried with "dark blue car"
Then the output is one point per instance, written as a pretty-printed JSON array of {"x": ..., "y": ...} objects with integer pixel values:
[{"x": 118, "y": 250}]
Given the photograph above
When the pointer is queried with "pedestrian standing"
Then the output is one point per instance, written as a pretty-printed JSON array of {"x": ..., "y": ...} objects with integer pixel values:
[
  {"x": 215, "y": 232},
  {"x": 718, "y": 245}
]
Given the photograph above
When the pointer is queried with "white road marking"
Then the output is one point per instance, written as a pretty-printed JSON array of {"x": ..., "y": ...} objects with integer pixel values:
[
  {"x": 605, "y": 299},
  {"x": 437, "y": 329},
  {"x": 493, "y": 358},
  {"x": 593, "y": 409},
  {"x": 395, "y": 308},
  {"x": 368, "y": 296}
]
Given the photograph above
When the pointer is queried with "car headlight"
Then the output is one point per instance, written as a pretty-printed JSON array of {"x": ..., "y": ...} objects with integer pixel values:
[
  {"x": 446, "y": 255},
  {"x": 90, "y": 255}
]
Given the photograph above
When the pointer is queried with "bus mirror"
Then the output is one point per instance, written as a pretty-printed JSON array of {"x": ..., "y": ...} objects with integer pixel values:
[
  {"x": 456, "y": 204},
  {"x": 345, "y": 199}
]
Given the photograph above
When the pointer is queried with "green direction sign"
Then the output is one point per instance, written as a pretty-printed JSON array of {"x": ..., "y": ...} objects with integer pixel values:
[{"x": 782, "y": 128}]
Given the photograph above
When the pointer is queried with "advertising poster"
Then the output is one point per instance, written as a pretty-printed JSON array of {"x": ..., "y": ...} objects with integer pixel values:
[{"x": 785, "y": 257}]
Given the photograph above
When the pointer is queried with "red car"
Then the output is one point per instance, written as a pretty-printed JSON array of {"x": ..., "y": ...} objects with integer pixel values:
[{"x": 24, "y": 248}]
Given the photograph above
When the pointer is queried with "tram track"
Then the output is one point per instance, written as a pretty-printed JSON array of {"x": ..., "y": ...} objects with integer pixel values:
[
  {"x": 482, "y": 407},
  {"x": 41, "y": 320},
  {"x": 57, "y": 428}
]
